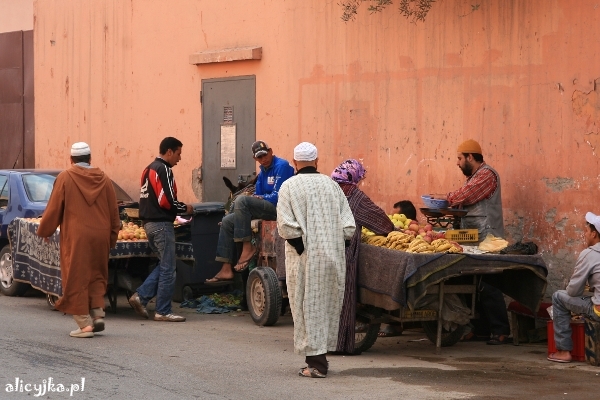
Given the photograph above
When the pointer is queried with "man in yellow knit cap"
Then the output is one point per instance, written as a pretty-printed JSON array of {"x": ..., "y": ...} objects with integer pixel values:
[{"x": 481, "y": 197}]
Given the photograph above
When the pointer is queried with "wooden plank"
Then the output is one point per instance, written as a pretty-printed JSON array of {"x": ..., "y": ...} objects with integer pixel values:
[{"x": 226, "y": 55}]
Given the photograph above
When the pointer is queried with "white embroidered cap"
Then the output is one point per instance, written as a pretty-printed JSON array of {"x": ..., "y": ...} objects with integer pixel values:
[
  {"x": 80, "y": 149},
  {"x": 305, "y": 152},
  {"x": 593, "y": 219}
]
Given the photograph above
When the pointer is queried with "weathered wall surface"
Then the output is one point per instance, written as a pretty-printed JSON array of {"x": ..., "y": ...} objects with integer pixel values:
[
  {"x": 16, "y": 15},
  {"x": 522, "y": 78}
]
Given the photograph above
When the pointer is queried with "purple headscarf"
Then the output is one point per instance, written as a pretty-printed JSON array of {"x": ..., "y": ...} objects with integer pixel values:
[{"x": 350, "y": 171}]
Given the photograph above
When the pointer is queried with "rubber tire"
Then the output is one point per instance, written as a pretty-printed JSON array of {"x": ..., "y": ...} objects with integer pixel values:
[
  {"x": 364, "y": 341},
  {"x": 263, "y": 296},
  {"x": 448, "y": 338},
  {"x": 51, "y": 301},
  {"x": 187, "y": 293},
  {"x": 14, "y": 288}
]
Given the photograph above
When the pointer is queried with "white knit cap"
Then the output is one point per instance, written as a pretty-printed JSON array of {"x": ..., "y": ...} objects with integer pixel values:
[
  {"x": 593, "y": 219},
  {"x": 80, "y": 149},
  {"x": 305, "y": 152}
]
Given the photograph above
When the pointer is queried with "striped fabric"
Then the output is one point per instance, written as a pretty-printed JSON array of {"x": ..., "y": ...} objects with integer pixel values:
[
  {"x": 368, "y": 214},
  {"x": 313, "y": 206}
]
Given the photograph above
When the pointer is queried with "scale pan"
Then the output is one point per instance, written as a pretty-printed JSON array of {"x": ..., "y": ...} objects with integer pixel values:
[{"x": 432, "y": 212}]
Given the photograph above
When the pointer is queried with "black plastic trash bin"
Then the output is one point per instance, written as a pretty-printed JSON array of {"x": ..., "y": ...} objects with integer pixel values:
[{"x": 205, "y": 236}]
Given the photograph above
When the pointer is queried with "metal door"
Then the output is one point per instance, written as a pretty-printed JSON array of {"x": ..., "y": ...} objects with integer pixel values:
[
  {"x": 228, "y": 131},
  {"x": 16, "y": 100}
]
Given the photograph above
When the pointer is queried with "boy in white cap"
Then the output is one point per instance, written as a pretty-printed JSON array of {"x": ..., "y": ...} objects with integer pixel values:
[
  {"x": 573, "y": 299},
  {"x": 83, "y": 203},
  {"x": 314, "y": 217}
]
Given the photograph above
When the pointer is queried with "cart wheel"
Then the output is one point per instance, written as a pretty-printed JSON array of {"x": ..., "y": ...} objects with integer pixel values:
[
  {"x": 187, "y": 293},
  {"x": 263, "y": 296},
  {"x": 8, "y": 286},
  {"x": 128, "y": 294},
  {"x": 449, "y": 338},
  {"x": 51, "y": 300},
  {"x": 365, "y": 336}
]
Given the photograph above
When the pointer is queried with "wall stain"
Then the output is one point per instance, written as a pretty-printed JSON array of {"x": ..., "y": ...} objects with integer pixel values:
[{"x": 559, "y": 184}]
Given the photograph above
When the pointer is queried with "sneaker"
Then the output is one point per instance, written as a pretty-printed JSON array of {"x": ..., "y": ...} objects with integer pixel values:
[
  {"x": 169, "y": 318},
  {"x": 137, "y": 305}
]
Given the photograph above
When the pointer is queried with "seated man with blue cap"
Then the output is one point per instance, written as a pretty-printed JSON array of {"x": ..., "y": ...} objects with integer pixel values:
[
  {"x": 575, "y": 299},
  {"x": 236, "y": 226}
]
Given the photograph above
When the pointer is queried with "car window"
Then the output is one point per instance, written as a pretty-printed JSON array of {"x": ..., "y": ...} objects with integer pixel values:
[
  {"x": 3, "y": 192},
  {"x": 38, "y": 186}
]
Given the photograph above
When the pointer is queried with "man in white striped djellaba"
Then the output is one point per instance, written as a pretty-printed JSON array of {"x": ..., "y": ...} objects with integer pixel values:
[{"x": 314, "y": 217}]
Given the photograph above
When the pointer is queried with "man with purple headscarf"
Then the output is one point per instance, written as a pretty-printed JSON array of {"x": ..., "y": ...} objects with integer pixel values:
[{"x": 366, "y": 213}]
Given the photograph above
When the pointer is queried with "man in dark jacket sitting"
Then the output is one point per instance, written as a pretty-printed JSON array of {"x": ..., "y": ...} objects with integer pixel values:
[{"x": 235, "y": 226}]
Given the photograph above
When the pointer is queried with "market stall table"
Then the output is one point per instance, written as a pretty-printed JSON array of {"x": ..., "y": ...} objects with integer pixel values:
[
  {"x": 396, "y": 280},
  {"x": 37, "y": 262}
]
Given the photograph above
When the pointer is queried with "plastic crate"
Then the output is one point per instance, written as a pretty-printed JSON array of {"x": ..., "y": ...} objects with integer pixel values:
[
  {"x": 462, "y": 235},
  {"x": 577, "y": 335}
]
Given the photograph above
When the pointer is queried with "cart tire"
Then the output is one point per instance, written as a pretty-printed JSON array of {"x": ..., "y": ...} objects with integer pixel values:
[
  {"x": 263, "y": 296},
  {"x": 187, "y": 293},
  {"x": 364, "y": 340},
  {"x": 8, "y": 286},
  {"x": 449, "y": 338},
  {"x": 51, "y": 300}
]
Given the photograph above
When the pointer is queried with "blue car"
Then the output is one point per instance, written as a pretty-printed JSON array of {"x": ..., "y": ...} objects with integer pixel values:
[{"x": 25, "y": 194}]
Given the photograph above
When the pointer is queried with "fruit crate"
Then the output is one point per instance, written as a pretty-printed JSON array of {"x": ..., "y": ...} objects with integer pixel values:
[
  {"x": 133, "y": 213},
  {"x": 462, "y": 235}
]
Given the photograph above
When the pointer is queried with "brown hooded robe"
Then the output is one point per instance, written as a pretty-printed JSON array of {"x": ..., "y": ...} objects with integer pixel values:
[{"x": 83, "y": 203}]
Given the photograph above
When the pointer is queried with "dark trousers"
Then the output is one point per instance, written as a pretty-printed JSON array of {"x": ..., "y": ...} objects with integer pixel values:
[
  {"x": 319, "y": 362},
  {"x": 492, "y": 310}
]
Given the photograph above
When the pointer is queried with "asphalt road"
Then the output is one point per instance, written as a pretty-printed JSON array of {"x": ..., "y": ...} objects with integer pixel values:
[{"x": 228, "y": 357}]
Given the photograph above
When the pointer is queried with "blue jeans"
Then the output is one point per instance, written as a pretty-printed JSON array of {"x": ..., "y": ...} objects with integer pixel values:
[
  {"x": 562, "y": 305},
  {"x": 235, "y": 226},
  {"x": 161, "y": 281}
]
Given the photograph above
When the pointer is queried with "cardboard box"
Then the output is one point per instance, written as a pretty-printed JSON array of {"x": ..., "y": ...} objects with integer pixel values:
[{"x": 577, "y": 335}]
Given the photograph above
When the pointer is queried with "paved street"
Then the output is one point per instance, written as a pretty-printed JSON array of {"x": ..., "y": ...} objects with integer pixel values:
[{"x": 228, "y": 357}]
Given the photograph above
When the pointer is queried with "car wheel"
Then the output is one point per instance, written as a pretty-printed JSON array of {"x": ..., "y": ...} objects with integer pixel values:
[{"x": 8, "y": 286}]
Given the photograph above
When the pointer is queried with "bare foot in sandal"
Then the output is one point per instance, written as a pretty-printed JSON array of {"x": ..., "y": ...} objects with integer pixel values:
[
  {"x": 224, "y": 275},
  {"x": 248, "y": 253}
]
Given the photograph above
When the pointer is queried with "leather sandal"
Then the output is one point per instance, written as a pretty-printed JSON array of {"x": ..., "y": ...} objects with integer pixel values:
[
  {"x": 98, "y": 324},
  {"x": 308, "y": 372},
  {"x": 498, "y": 339}
]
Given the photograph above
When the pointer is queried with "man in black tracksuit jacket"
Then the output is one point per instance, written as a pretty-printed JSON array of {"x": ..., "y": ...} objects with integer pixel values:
[{"x": 158, "y": 209}]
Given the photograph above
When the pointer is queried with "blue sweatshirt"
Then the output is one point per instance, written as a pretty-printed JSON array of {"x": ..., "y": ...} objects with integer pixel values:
[{"x": 270, "y": 179}]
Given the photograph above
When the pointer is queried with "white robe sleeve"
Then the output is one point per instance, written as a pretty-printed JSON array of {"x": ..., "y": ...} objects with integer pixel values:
[{"x": 287, "y": 223}]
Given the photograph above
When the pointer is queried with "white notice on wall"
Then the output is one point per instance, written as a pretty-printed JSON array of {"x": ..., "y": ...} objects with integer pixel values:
[{"x": 228, "y": 155}]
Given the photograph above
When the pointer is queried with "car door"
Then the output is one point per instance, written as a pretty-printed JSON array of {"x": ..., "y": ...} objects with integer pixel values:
[{"x": 4, "y": 196}]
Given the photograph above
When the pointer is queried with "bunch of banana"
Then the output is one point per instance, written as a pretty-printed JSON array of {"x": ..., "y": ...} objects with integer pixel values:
[
  {"x": 443, "y": 245},
  {"x": 398, "y": 240},
  {"x": 419, "y": 245},
  {"x": 376, "y": 240}
]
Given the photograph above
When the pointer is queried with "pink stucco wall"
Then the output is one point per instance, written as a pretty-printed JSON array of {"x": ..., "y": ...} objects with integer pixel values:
[
  {"x": 16, "y": 15},
  {"x": 518, "y": 76}
]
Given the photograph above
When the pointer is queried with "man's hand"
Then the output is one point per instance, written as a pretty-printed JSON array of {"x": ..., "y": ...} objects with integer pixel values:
[
  {"x": 189, "y": 209},
  {"x": 297, "y": 244}
]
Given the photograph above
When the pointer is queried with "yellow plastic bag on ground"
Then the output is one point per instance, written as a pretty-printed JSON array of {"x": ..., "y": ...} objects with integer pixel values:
[{"x": 492, "y": 244}]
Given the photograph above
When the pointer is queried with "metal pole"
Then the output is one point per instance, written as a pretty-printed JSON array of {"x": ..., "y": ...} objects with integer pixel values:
[{"x": 438, "y": 340}]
